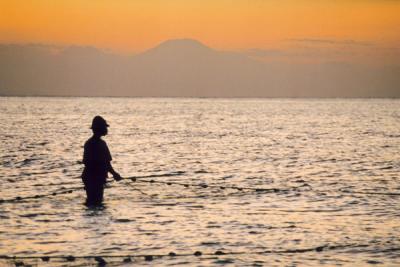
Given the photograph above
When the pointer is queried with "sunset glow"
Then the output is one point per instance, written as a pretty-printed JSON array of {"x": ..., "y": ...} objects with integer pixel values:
[
  {"x": 134, "y": 26},
  {"x": 200, "y": 132}
]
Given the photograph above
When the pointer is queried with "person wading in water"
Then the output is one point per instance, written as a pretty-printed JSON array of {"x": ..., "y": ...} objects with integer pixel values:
[{"x": 97, "y": 160}]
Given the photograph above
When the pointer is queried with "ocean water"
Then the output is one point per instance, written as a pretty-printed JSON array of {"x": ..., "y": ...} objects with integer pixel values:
[{"x": 201, "y": 165}]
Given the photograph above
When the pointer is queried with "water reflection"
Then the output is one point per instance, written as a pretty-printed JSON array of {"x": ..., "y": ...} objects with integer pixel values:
[
  {"x": 326, "y": 145},
  {"x": 95, "y": 210}
]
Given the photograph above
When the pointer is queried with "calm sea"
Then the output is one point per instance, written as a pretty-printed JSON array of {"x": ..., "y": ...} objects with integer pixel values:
[{"x": 332, "y": 167}]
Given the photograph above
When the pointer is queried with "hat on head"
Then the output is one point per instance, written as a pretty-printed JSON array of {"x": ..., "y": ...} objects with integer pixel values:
[{"x": 99, "y": 122}]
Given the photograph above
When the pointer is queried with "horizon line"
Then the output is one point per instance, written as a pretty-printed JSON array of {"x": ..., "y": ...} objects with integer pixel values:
[{"x": 200, "y": 97}]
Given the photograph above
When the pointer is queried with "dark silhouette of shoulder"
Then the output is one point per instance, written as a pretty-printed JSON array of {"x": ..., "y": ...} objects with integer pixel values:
[{"x": 96, "y": 151}]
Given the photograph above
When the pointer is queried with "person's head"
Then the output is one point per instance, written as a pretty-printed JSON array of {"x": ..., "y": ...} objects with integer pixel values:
[{"x": 99, "y": 126}]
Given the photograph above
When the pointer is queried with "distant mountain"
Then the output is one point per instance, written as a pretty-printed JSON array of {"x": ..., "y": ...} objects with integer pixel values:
[{"x": 184, "y": 68}]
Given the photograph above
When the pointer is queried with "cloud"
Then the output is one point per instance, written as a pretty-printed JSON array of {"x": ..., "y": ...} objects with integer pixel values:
[
  {"x": 317, "y": 41},
  {"x": 257, "y": 52},
  {"x": 38, "y": 46},
  {"x": 300, "y": 53},
  {"x": 317, "y": 50}
]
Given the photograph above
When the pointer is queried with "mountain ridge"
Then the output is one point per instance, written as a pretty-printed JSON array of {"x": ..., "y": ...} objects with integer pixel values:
[{"x": 179, "y": 67}]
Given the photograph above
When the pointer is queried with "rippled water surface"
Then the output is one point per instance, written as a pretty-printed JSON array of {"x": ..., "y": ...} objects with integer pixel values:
[{"x": 332, "y": 163}]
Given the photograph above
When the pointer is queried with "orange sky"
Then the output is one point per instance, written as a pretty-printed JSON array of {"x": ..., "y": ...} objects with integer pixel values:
[{"x": 135, "y": 25}]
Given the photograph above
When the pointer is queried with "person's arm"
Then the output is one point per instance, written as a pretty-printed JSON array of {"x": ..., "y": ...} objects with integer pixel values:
[
  {"x": 115, "y": 174},
  {"x": 110, "y": 168}
]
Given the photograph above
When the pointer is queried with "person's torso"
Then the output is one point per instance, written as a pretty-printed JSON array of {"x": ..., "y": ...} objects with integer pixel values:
[{"x": 96, "y": 158}]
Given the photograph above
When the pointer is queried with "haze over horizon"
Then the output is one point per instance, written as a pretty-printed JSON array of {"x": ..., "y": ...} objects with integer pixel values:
[
  {"x": 182, "y": 67},
  {"x": 203, "y": 48}
]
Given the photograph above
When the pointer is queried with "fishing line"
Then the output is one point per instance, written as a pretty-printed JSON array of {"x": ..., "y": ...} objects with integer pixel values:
[
  {"x": 264, "y": 190},
  {"x": 369, "y": 193},
  {"x": 149, "y": 257},
  {"x": 71, "y": 190},
  {"x": 240, "y": 190}
]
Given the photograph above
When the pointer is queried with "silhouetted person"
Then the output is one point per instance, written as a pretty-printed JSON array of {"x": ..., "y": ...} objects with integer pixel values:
[{"x": 97, "y": 159}]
